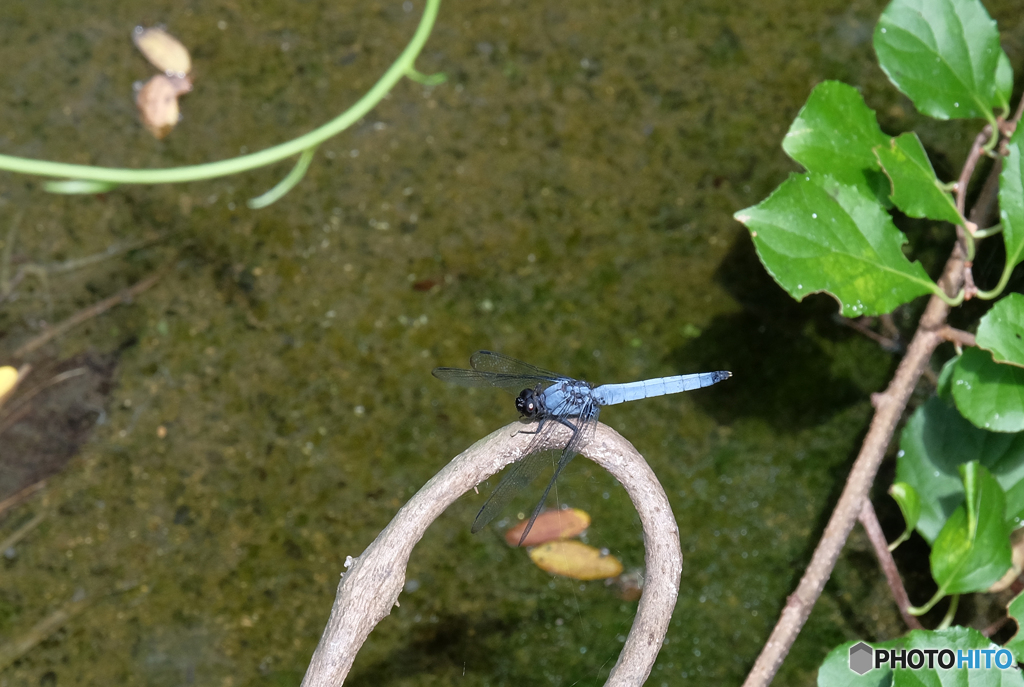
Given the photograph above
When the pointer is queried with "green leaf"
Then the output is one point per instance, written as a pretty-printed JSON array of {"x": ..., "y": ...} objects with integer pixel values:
[
  {"x": 1011, "y": 199},
  {"x": 835, "y": 669},
  {"x": 957, "y": 639},
  {"x": 942, "y": 54},
  {"x": 834, "y": 133},
  {"x": 1002, "y": 330},
  {"x": 933, "y": 445},
  {"x": 915, "y": 188},
  {"x": 1016, "y": 611},
  {"x": 910, "y": 505},
  {"x": 814, "y": 234},
  {"x": 944, "y": 388},
  {"x": 972, "y": 551},
  {"x": 989, "y": 394},
  {"x": 1004, "y": 81}
]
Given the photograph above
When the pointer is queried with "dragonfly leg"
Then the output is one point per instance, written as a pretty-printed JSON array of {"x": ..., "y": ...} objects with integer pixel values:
[{"x": 540, "y": 428}]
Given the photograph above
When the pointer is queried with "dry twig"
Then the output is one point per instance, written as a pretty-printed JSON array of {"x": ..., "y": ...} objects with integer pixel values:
[
  {"x": 869, "y": 519},
  {"x": 370, "y": 588},
  {"x": 81, "y": 316}
]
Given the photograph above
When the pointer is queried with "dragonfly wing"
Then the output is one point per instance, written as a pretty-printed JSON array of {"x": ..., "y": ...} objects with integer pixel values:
[
  {"x": 583, "y": 432},
  {"x": 519, "y": 475},
  {"x": 494, "y": 369},
  {"x": 489, "y": 361}
]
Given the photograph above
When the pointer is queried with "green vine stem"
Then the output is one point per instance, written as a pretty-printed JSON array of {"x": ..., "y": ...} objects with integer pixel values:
[
  {"x": 402, "y": 67},
  {"x": 286, "y": 184},
  {"x": 1003, "y": 280},
  {"x": 940, "y": 593},
  {"x": 947, "y": 619},
  {"x": 991, "y": 231}
]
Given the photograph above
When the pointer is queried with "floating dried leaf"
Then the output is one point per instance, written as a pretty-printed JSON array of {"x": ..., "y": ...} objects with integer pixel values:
[
  {"x": 551, "y": 525},
  {"x": 8, "y": 378},
  {"x": 576, "y": 560},
  {"x": 164, "y": 51},
  {"x": 158, "y": 104}
]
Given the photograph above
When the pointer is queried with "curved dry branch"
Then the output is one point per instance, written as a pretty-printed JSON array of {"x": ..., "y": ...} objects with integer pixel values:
[{"x": 370, "y": 588}]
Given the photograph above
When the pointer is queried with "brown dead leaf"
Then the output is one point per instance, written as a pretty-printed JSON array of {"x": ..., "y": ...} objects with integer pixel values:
[{"x": 164, "y": 51}]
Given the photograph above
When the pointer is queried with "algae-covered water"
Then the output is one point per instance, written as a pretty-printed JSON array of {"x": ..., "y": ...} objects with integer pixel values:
[{"x": 566, "y": 197}]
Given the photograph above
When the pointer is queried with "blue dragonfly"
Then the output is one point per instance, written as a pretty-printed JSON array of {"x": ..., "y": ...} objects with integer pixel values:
[{"x": 548, "y": 397}]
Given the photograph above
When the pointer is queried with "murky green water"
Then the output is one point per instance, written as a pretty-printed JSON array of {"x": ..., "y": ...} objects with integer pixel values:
[{"x": 566, "y": 198}]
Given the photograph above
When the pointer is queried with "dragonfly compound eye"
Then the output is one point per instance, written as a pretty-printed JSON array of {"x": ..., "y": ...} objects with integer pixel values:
[{"x": 525, "y": 403}]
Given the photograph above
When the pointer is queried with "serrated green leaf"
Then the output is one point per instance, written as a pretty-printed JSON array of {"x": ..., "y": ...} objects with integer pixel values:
[
  {"x": 1004, "y": 81},
  {"x": 972, "y": 551},
  {"x": 834, "y": 133},
  {"x": 915, "y": 188},
  {"x": 989, "y": 394},
  {"x": 1002, "y": 330},
  {"x": 942, "y": 54},
  {"x": 907, "y": 499},
  {"x": 933, "y": 445},
  {"x": 1015, "y": 610},
  {"x": 814, "y": 234},
  {"x": 1011, "y": 199},
  {"x": 957, "y": 639}
]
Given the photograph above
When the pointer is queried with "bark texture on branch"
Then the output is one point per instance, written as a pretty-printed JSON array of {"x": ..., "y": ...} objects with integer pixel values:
[{"x": 371, "y": 586}]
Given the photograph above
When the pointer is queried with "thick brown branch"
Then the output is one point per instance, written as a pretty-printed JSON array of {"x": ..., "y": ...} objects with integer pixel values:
[
  {"x": 370, "y": 588},
  {"x": 889, "y": 407}
]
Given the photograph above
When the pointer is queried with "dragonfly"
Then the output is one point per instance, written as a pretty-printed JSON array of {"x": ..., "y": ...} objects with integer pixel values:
[{"x": 553, "y": 399}]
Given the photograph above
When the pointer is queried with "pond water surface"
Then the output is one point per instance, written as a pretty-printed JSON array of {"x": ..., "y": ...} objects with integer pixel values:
[{"x": 566, "y": 198}]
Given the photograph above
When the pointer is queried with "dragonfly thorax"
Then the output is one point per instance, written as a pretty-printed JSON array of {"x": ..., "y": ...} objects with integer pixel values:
[{"x": 528, "y": 403}]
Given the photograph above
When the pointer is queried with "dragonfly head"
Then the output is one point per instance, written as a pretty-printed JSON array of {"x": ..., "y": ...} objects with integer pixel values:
[{"x": 527, "y": 403}]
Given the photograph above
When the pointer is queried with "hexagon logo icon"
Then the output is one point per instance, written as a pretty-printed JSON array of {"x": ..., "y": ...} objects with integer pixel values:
[{"x": 861, "y": 656}]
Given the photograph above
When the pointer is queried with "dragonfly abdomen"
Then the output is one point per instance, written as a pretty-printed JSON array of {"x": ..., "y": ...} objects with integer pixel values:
[{"x": 610, "y": 394}]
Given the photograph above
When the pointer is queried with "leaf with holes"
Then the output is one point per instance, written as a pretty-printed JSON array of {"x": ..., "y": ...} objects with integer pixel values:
[{"x": 1002, "y": 330}]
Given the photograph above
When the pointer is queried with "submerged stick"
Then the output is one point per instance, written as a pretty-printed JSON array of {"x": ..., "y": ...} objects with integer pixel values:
[
  {"x": 370, "y": 588},
  {"x": 81, "y": 316}
]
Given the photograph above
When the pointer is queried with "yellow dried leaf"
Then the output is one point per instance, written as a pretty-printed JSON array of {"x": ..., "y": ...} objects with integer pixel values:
[
  {"x": 164, "y": 51},
  {"x": 550, "y": 525},
  {"x": 158, "y": 104},
  {"x": 576, "y": 560},
  {"x": 8, "y": 378}
]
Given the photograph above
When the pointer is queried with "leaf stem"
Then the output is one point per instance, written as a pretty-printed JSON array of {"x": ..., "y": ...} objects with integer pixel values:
[
  {"x": 991, "y": 231},
  {"x": 940, "y": 593},
  {"x": 286, "y": 184},
  {"x": 947, "y": 619},
  {"x": 951, "y": 301},
  {"x": 998, "y": 289},
  {"x": 171, "y": 175}
]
